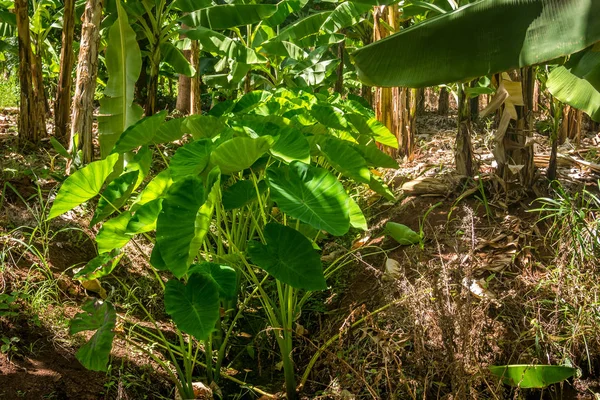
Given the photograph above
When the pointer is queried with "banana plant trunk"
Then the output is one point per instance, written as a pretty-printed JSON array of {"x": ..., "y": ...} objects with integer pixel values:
[
  {"x": 87, "y": 72},
  {"x": 395, "y": 107},
  {"x": 463, "y": 152},
  {"x": 517, "y": 141},
  {"x": 196, "y": 83},
  {"x": 32, "y": 118},
  {"x": 62, "y": 104},
  {"x": 339, "y": 83},
  {"x": 152, "y": 88},
  {"x": 444, "y": 101}
]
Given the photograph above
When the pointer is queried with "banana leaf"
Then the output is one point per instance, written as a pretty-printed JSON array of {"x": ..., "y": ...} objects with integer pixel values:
[
  {"x": 229, "y": 15},
  {"x": 221, "y": 45},
  {"x": 124, "y": 64},
  {"x": 480, "y": 39},
  {"x": 345, "y": 15}
]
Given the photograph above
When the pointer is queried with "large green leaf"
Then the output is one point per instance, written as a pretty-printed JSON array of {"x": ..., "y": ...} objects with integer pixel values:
[
  {"x": 577, "y": 83},
  {"x": 175, "y": 58},
  {"x": 291, "y": 146},
  {"x": 312, "y": 195},
  {"x": 229, "y": 15},
  {"x": 288, "y": 256},
  {"x": 102, "y": 318},
  {"x": 140, "y": 133},
  {"x": 304, "y": 27},
  {"x": 214, "y": 42},
  {"x": 251, "y": 100},
  {"x": 205, "y": 213},
  {"x": 480, "y": 39},
  {"x": 194, "y": 306},
  {"x": 175, "y": 227},
  {"x": 371, "y": 127},
  {"x": 329, "y": 116},
  {"x": 345, "y": 159},
  {"x": 113, "y": 234},
  {"x": 357, "y": 218},
  {"x": 190, "y": 159},
  {"x": 156, "y": 188},
  {"x": 239, "y": 153},
  {"x": 144, "y": 219},
  {"x": 346, "y": 14},
  {"x": 224, "y": 276},
  {"x": 114, "y": 196},
  {"x": 192, "y": 5},
  {"x": 205, "y": 126},
  {"x": 124, "y": 64},
  {"x": 82, "y": 185},
  {"x": 169, "y": 131},
  {"x": 375, "y": 157},
  {"x": 532, "y": 376}
]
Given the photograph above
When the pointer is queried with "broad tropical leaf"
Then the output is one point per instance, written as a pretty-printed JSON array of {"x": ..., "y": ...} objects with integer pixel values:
[
  {"x": 175, "y": 228},
  {"x": 346, "y": 14},
  {"x": 476, "y": 40},
  {"x": 345, "y": 159},
  {"x": 100, "y": 317},
  {"x": 214, "y": 42},
  {"x": 190, "y": 159},
  {"x": 114, "y": 196},
  {"x": 291, "y": 146},
  {"x": 239, "y": 153},
  {"x": 288, "y": 256},
  {"x": 224, "y": 276},
  {"x": 140, "y": 133},
  {"x": 144, "y": 219},
  {"x": 156, "y": 188},
  {"x": 175, "y": 58},
  {"x": 229, "y": 15},
  {"x": 124, "y": 64},
  {"x": 312, "y": 195},
  {"x": 532, "y": 376},
  {"x": 113, "y": 234},
  {"x": 82, "y": 185},
  {"x": 194, "y": 306}
]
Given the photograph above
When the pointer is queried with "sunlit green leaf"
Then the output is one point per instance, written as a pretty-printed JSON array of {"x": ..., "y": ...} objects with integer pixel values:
[{"x": 100, "y": 317}]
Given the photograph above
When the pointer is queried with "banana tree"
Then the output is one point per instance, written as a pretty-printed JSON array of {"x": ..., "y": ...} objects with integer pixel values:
[{"x": 476, "y": 41}]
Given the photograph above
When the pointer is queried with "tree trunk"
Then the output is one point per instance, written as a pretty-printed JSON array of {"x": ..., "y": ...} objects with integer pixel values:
[
  {"x": 463, "y": 152},
  {"x": 152, "y": 88},
  {"x": 444, "y": 101},
  {"x": 421, "y": 101},
  {"x": 339, "y": 83},
  {"x": 62, "y": 105},
  {"x": 394, "y": 107},
  {"x": 570, "y": 127},
  {"x": 32, "y": 116},
  {"x": 87, "y": 72},
  {"x": 519, "y": 150},
  {"x": 184, "y": 89},
  {"x": 196, "y": 93}
]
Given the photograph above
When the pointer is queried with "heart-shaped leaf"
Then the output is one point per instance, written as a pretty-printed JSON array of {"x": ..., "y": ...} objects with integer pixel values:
[
  {"x": 194, "y": 306},
  {"x": 224, "y": 276},
  {"x": 288, "y": 256},
  {"x": 115, "y": 195},
  {"x": 239, "y": 153},
  {"x": 100, "y": 317},
  {"x": 190, "y": 159},
  {"x": 312, "y": 195}
]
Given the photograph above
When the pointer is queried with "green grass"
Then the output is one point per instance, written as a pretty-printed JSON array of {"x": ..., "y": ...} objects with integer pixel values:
[{"x": 9, "y": 92}]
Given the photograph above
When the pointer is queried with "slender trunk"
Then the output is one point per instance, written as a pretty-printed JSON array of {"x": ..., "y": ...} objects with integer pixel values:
[
  {"x": 196, "y": 93},
  {"x": 339, "y": 83},
  {"x": 536, "y": 96},
  {"x": 152, "y": 88},
  {"x": 518, "y": 149},
  {"x": 394, "y": 107},
  {"x": 87, "y": 72},
  {"x": 463, "y": 152},
  {"x": 62, "y": 105},
  {"x": 444, "y": 101},
  {"x": 421, "y": 101},
  {"x": 474, "y": 103},
  {"x": 32, "y": 116},
  {"x": 551, "y": 173},
  {"x": 184, "y": 89},
  {"x": 571, "y": 125}
]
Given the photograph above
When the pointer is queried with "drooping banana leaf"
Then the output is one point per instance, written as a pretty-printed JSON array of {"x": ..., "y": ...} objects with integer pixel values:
[
  {"x": 577, "y": 83},
  {"x": 345, "y": 15},
  {"x": 229, "y": 15},
  {"x": 214, "y": 42},
  {"x": 480, "y": 39},
  {"x": 124, "y": 64},
  {"x": 284, "y": 9},
  {"x": 175, "y": 58},
  {"x": 303, "y": 28},
  {"x": 192, "y": 5}
]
